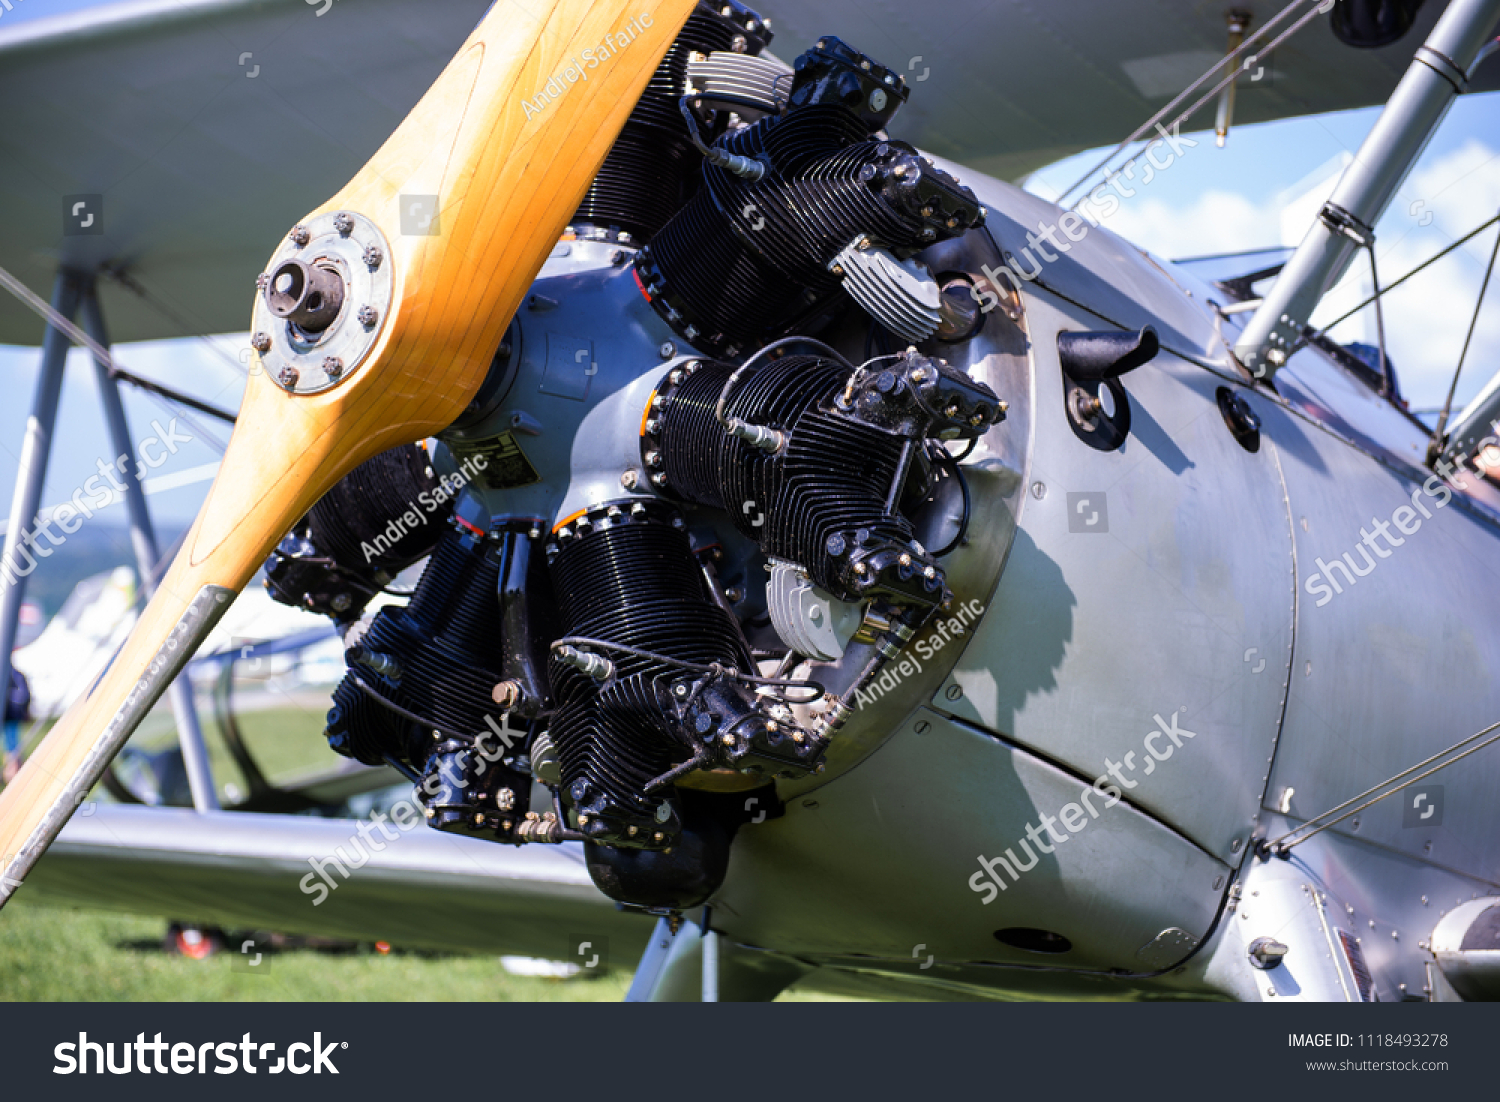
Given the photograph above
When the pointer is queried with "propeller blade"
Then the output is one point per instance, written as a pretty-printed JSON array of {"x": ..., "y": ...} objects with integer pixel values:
[{"x": 497, "y": 155}]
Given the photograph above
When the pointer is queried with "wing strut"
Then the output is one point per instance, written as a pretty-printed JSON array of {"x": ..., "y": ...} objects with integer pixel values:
[{"x": 74, "y": 293}]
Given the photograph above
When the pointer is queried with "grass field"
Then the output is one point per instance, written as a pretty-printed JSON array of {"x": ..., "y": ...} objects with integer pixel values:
[
  {"x": 285, "y": 740},
  {"x": 51, "y": 954}
]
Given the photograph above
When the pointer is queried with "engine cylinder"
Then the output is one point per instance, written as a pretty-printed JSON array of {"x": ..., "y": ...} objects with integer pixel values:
[
  {"x": 745, "y": 259},
  {"x": 438, "y": 660},
  {"x": 627, "y": 575},
  {"x": 826, "y": 496},
  {"x": 652, "y": 168},
  {"x": 349, "y": 544}
]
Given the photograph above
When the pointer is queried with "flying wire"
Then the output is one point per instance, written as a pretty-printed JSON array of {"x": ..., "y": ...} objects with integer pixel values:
[
  {"x": 161, "y": 394},
  {"x": 1282, "y": 845},
  {"x": 1244, "y": 47},
  {"x": 1442, "y": 422}
]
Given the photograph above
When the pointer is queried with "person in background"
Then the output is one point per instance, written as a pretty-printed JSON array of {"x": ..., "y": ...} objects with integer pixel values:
[{"x": 17, "y": 712}]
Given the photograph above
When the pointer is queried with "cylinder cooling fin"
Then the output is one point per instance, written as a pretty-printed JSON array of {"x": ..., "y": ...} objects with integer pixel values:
[
  {"x": 361, "y": 534},
  {"x": 825, "y": 493},
  {"x": 419, "y": 693},
  {"x": 746, "y": 258},
  {"x": 647, "y": 614},
  {"x": 672, "y": 687},
  {"x": 652, "y": 167}
]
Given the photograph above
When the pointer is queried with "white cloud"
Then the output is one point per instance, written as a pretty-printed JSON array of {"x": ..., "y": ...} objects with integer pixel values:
[
  {"x": 1216, "y": 222},
  {"x": 1425, "y": 319}
]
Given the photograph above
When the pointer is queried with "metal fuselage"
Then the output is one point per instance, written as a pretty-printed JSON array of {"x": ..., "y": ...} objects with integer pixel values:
[{"x": 1065, "y": 797}]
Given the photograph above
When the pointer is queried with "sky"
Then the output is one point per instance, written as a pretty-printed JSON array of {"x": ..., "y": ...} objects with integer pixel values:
[
  {"x": 1264, "y": 189},
  {"x": 1261, "y": 190}
]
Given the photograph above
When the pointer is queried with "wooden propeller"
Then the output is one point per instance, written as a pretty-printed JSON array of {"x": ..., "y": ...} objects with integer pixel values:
[{"x": 508, "y": 139}]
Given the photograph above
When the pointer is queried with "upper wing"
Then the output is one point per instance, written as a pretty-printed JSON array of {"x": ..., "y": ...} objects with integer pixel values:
[
  {"x": 1008, "y": 87},
  {"x": 209, "y": 126}
]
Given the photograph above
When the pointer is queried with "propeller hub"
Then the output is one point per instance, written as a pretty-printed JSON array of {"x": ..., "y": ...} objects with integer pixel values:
[
  {"x": 306, "y": 295},
  {"x": 324, "y": 299}
]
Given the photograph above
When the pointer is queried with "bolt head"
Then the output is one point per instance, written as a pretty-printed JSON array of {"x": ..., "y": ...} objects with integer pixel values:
[
  {"x": 334, "y": 366},
  {"x": 667, "y": 350},
  {"x": 373, "y": 257},
  {"x": 368, "y": 316},
  {"x": 630, "y": 479},
  {"x": 344, "y": 223},
  {"x": 288, "y": 376},
  {"x": 300, "y": 235},
  {"x": 261, "y": 342}
]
